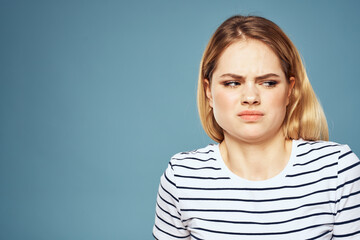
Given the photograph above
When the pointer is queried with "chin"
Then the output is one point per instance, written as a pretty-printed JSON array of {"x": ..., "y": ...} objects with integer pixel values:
[
  {"x": 253, "y": 136},
  {"x": 250, "y": 138}
]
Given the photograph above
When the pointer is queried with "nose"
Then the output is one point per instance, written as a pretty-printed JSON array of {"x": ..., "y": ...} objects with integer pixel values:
[{"x": 250, "y": 95}]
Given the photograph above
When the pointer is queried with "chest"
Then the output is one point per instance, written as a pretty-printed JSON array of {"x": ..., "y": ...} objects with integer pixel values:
[{"x": 282, "y": 212}]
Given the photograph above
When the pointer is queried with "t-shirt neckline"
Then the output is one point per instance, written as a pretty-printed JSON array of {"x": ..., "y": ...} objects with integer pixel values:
[{"x": 279, "y": 177}]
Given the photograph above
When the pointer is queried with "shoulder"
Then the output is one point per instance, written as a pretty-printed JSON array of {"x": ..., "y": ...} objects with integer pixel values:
[
  {"x": 194, "y": 162},
  {"x": 201, "y": 155},
  {"x": 321, "y": 147},
  {"x": 316, "y": 150}
]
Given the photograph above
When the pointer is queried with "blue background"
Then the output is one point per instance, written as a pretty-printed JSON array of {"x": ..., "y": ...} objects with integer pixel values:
[{"x": 96, "y": 96}]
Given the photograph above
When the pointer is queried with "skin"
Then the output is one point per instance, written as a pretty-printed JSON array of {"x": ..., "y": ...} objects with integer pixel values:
[{"x": 249, "y": 77}]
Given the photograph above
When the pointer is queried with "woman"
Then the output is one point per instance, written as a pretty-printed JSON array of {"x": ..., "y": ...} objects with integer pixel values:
[{"x": 273, "y": 174}]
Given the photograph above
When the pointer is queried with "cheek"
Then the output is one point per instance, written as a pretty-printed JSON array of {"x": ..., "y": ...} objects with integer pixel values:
[
  {"x": 278, "y": 102},
  {"x": 223, "y": 102}
]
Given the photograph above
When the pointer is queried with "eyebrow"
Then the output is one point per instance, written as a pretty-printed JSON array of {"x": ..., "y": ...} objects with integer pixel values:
[{"x": 239, "y": 77}]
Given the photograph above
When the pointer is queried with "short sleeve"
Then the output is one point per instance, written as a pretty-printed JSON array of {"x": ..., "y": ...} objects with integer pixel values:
[
  {"x": 168, "y": 224},
  {"x": 347, "y": 218}
]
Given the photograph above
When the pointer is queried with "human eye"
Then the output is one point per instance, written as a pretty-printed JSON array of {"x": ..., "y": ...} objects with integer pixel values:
[
  {"x": 231, "y": 83},
  {"x": 269, "y": 83}
]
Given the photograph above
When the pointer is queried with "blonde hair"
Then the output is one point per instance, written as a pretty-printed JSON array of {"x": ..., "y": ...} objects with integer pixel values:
[{"x": 304, "y": 117}]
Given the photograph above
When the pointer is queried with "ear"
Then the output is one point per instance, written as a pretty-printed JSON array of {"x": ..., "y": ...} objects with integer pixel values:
[
  {"x": 208, "y": 91},
  {"x": 291, "y": 87}
]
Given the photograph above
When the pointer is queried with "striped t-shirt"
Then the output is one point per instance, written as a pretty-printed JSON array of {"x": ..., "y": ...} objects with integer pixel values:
[{"x": 316, "y": 196}]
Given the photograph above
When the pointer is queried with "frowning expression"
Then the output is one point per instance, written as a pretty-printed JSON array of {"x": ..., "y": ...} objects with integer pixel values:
[{"x": 249, "y": 92}]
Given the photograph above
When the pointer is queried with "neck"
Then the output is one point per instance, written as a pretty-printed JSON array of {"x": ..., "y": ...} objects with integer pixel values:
[{"x": 256, "y": 160}]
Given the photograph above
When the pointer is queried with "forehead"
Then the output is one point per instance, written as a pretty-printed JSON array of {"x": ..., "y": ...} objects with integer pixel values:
[{"x": 248, "y": 57}]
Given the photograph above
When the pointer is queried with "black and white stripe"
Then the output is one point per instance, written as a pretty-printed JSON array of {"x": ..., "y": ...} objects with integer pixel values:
[{"x": 317, "y": 196}]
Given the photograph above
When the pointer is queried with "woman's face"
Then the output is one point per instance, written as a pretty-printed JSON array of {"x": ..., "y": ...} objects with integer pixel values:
[{"x": 249, "y": 92}]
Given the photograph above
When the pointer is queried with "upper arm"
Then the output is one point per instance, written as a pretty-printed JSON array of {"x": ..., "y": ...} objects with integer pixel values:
[
  {"x": 347, "y": 219},
  {"x": 168, "y": 224}
]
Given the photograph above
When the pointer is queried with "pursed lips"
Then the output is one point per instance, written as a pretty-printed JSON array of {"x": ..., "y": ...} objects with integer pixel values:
[{"x": 250, "y": 115}]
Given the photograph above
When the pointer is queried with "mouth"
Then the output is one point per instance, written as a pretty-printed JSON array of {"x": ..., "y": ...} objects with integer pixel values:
[{"x": 250, "y": 115}]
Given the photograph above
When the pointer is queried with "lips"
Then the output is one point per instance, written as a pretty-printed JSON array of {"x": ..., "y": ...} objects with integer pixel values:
[{"x": 250, "y": 115}]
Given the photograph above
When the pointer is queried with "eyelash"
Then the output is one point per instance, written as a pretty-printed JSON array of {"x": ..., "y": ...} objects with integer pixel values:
[
  {"x": 232, "y": 84},
  {"x": 267, "y": 84}
]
